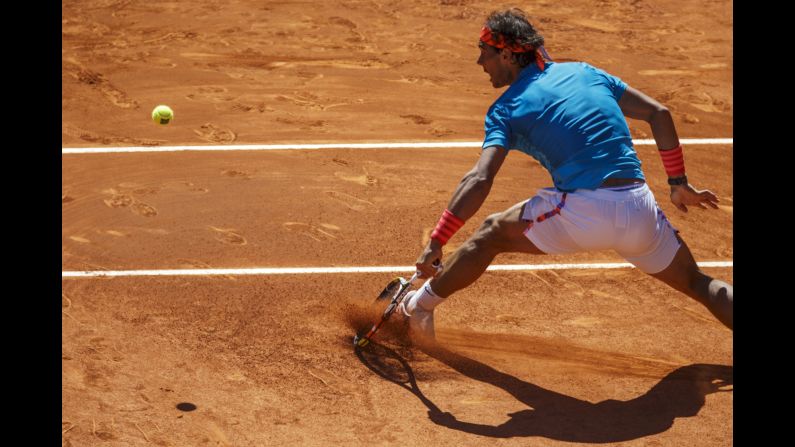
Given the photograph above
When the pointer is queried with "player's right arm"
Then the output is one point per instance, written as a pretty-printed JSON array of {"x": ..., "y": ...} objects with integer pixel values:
[
  {"x": 467, "y": 199},
  {"x": 476, "y": 184}
]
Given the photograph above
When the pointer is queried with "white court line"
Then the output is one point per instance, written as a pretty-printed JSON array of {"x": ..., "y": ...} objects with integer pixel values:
[
  {"x": 321, "y": 270},
  {"x": 282, "y": 147}
]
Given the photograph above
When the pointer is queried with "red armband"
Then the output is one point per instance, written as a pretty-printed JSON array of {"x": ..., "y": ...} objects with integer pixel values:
[
  {"x": 446, "y": 227},
  {"x": 674, "y": 161}
]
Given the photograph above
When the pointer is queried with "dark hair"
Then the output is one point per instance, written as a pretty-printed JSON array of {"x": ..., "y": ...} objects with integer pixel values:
[{"x": 514, "y": 26}]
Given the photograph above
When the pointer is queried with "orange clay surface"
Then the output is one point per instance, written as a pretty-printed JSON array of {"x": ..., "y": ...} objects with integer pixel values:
[{"x": 541, "y": 358}]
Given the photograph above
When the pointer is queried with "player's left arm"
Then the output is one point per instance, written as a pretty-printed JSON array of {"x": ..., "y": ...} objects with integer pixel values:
[{"x": 637, "y": 105}]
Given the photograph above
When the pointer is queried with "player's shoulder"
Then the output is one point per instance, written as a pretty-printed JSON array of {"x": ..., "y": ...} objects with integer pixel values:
[
  {"x": 592, "y": 71},
  {"x": 573, "y": 66},
  {"x": 502, "y": 107},
  {"x": 590, "y": 68}
]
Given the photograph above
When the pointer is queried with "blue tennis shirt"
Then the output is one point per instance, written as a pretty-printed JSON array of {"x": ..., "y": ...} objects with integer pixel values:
[{"x": 566, "y": 117}]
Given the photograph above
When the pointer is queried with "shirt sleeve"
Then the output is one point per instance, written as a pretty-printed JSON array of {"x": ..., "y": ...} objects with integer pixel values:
[
  {"x": 615, "y": 84},
  {"x": 498, "y": 129}
]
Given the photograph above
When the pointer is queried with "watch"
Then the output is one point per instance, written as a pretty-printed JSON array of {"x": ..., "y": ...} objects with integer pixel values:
[{"x": 675, "y": 181}]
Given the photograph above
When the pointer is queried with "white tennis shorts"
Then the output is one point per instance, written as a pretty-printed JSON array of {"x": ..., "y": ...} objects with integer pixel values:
[{"x": 625, "y": 219}]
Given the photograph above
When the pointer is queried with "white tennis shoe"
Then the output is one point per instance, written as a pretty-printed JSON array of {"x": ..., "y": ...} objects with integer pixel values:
[{"x": 420, "y": 320}]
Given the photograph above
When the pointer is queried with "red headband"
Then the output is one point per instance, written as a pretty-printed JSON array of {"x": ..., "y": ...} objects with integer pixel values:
[{"x": 487, "y": 37}]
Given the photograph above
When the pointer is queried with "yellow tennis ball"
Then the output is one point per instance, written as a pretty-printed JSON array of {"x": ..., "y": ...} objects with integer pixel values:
[{"x": 162, "y": 114}]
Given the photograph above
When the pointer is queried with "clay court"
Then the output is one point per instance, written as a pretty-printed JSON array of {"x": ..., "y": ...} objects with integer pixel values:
[{"x": 539, "y": 357}]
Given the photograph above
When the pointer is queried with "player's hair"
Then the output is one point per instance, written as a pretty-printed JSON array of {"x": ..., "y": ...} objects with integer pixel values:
[{"x": 513, "y": 25}]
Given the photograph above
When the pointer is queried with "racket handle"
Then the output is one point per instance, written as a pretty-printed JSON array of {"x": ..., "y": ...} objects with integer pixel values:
[{"x": 437, "y": 264}]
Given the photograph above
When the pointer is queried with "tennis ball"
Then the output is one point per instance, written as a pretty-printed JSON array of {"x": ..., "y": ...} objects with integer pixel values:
[{"x": 162, "y": 114}]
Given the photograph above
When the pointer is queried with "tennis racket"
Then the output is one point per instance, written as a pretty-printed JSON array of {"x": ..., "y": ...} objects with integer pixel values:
[{"x": 393, "y": 294}]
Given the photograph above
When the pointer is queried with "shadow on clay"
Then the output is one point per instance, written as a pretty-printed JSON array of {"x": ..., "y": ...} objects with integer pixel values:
[{"x": 681, "y": 393}]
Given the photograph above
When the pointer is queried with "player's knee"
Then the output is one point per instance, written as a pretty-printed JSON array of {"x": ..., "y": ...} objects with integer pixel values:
[
  {"x": 682, "y": 273},
  {"x": 695, "y": 278},
  {"x": 697, "y": 283},
  {"x": 491, "y": 235}
]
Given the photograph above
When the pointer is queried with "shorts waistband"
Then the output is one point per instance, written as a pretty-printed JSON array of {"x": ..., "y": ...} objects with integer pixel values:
[
  {"x": 615, "y": 193},
  {"x": 623, "y": 188},
  {"x": 614, "y": 182}
]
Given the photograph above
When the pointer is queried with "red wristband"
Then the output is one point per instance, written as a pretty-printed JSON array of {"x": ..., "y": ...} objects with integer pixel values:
[
  {"x": 674, "y": 161},
  {"x": 446, "y": 227}
]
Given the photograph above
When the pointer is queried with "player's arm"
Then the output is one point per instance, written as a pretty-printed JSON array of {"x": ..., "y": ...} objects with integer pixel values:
[
  {"x": 467, "y": 199},
  {"x": 476, "y": 184},
  {"x": 637, "y": 105}
]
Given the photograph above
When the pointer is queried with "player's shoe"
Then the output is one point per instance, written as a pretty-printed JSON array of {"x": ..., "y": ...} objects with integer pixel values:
[{"x": 420, "y": 320}]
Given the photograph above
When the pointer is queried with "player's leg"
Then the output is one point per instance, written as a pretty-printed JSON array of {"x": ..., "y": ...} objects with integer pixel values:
[
  {"x": 500, "y": 233},
  {"x": 684, "y": 275},
  {"x": 652, "y": 244}
]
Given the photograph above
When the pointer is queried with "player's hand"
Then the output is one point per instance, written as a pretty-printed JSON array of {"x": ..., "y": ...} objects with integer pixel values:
[
  {"x": 685, "y": 195},
  {"x": 429, "y": 262}
]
